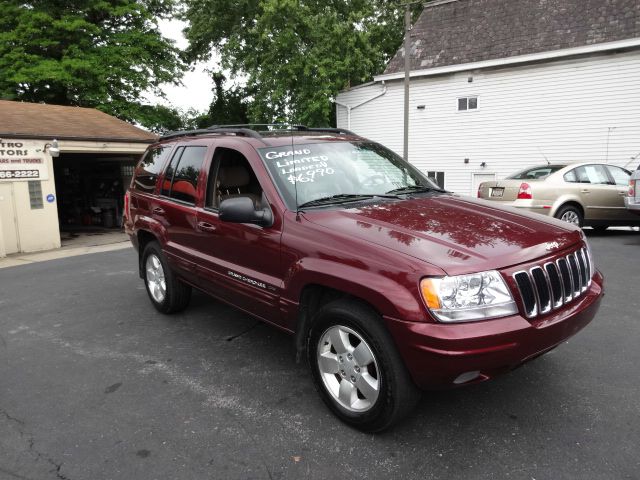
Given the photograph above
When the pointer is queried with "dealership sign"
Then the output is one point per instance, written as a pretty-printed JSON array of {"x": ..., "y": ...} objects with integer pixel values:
[{"x": 22, "y": 160}]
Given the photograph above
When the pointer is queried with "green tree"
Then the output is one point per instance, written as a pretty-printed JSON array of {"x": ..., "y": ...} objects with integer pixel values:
[
  {"x": 160, "y": 118},
  {"x": 229, "y": 106},
  {"x": 296, "y": 54},
  {"x": 93, "y": 53}
]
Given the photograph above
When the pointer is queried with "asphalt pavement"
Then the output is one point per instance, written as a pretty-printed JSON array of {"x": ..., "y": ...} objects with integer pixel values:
[{"x": 95, "y": 384}]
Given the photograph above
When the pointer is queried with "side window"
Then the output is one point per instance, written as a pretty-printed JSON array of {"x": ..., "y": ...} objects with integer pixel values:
[
  {"x": 467, "y": 103},
  {"x": 146, "y": 173},
  {"x": 168, "y": 173},
  {"x": 620, "y": 175},
  {"x": 184, "y": 175},
  {"x": 571, "y": 176},
  {"x": 597, "y": 174},
  {"x": 231, "y": 176}
]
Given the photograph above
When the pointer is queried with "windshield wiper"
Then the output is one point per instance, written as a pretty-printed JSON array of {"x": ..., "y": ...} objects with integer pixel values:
[
  {"x": 415, "y": 189},
  {"x": 339, "y": 198},
  {"x": 344, "y": 198}
]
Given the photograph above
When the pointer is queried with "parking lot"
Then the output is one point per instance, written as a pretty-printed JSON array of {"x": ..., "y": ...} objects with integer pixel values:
[{"x": 95, "y": 384}]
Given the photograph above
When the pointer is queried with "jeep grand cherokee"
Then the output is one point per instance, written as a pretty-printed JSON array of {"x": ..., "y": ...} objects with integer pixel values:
[{"x": 389, "y": 284}]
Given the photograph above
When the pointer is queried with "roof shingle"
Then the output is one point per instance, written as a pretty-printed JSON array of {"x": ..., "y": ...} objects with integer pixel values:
[
  {"x": 467, "y": 31},
  {"x": 39, "y": 120}
]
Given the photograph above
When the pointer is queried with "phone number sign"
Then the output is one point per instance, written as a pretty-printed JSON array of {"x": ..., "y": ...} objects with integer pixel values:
[{"x": 22, "y": 161}]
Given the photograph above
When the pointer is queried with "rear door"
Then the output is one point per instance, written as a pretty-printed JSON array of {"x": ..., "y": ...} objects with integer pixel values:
[{"x": 175, "y": 207}]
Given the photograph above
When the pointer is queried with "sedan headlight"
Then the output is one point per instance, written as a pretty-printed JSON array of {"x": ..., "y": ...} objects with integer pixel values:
[{"x": 466, "y": 298}]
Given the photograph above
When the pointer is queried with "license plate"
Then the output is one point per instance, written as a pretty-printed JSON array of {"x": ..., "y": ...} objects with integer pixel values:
[{"x": 497, "y": 192}]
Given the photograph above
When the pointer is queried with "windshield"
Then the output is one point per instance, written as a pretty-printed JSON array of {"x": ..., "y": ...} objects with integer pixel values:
[
  {"x": 334, "y": 172},
  {"x": 536, "y": 173}
]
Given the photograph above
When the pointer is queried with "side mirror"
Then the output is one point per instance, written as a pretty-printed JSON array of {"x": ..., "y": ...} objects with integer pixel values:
[{"x": 241, "y": 210}]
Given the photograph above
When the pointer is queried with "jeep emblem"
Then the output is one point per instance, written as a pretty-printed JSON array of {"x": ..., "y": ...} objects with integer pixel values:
[{"x": 551, "y": 245}]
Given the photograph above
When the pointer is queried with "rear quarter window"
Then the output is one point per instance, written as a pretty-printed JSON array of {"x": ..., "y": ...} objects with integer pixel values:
[{"x": 148, "y": 169}]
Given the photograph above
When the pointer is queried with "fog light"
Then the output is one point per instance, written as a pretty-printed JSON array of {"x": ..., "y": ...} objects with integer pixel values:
[{"x": 466, "y": 377}]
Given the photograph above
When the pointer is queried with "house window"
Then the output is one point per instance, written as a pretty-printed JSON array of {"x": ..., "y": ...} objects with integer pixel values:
[
  {"x": 35, "y": 195},
  {"x": 467, "y": 103},
  {"x": 437, "y": 177}
]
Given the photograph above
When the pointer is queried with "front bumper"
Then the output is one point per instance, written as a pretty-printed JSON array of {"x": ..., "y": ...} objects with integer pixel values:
[{"x": 439, "y": 355}]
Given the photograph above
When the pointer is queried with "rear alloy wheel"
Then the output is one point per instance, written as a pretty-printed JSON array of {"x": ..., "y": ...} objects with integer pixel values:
[
  {"x": 570, "y": 214},
  {"x": 167, "y": 293},
  {"x": 356, "y": 367}
]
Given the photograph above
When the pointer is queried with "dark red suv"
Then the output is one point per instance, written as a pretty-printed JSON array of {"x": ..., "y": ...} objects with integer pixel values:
[{"x": 388, "y": 283}]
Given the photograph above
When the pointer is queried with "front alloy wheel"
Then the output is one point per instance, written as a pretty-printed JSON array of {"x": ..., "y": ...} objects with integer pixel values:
[
  {"x": 348, "y": 368},
  {"x": 357, "y": 368}
]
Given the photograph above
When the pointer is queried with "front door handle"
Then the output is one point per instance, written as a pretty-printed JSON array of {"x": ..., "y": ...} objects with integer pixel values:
[
  {"x": 158, "y": 211},
  {"x": 206, "y": 227}
]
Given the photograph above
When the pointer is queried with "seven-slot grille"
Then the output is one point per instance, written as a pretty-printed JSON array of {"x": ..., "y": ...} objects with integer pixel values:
[{"x": 549, "y": 286}]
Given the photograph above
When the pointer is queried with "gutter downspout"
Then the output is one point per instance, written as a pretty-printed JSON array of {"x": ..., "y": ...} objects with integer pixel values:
[{"x": 352, "y": 107}]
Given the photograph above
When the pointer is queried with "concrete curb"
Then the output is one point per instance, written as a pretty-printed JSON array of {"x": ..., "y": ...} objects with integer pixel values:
[{"x": 27, "y": 258}]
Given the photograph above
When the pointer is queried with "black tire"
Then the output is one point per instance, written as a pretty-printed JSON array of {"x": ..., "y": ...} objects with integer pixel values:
[
  {"x": 177, "y": 295},
  {"x": 568, "y": 212},
  {"x": 397, "y": 394},
  {"x": 600, "y": 228}
]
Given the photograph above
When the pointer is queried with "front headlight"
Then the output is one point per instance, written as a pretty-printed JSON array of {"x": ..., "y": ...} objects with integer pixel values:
[{"x": 465, "y": 298}]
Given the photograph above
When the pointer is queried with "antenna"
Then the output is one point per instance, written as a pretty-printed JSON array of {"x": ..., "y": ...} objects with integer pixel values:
[
  {"x": 635, "y": 157},
  {"x": 545, "y": 157},
  {"x": 295, "y": 177}
]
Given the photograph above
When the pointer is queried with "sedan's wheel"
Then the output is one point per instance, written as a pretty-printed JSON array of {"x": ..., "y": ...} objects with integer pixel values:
[
  {"x": 167, "y": 293},
  {"x": 356, "y": 367},
  {"x": 349, "y": 369},
  {"x": 570, "y": 214}
]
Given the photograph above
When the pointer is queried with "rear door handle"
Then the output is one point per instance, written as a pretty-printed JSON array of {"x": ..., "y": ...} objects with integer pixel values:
[
  {"x": 206, "y": 227},
  {"x": 585, "y": 191},
  {"x": 158, "y": 211}
]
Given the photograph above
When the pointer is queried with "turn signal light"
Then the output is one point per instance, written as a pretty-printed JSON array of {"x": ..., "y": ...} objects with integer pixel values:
[
  {"x": 429, "y": 290},
  {"x": 525, "y": 192}
]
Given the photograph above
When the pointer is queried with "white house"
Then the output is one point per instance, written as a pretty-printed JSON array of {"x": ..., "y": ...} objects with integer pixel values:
[{"x": 499, "y": 85}]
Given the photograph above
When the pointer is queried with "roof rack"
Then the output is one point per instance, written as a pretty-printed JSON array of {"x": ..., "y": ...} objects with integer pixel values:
[
  {"x": 248, "y": 130},
  {"x": 245, "y": 132}
]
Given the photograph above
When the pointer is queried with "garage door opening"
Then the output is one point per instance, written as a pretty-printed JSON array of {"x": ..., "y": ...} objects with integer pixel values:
[{"x": 90, "y": 190}]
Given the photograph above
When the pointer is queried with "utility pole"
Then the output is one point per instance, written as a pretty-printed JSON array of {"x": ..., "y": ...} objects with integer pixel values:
[
  {"x": 407, "y": 69},
  {"x": 606, "y": 158}
]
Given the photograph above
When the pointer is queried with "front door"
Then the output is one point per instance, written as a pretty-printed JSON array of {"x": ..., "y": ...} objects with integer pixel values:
[
  {"x": 239, "y": 263},
  {"x": 596, "y": 193}
]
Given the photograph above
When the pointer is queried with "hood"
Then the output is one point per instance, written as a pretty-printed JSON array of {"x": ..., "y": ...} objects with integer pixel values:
[{"x": 457, "y": 234}]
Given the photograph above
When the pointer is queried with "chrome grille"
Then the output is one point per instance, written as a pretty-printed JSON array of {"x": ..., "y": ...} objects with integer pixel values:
[{"x": 548, "y": 287}]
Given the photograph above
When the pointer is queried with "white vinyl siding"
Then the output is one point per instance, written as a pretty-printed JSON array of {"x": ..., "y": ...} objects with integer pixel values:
[{"x": 561, "y": 110}]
